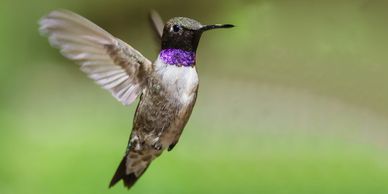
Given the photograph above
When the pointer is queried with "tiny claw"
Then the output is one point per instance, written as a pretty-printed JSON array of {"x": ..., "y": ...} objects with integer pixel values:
[{"x": 157, "y": 146}]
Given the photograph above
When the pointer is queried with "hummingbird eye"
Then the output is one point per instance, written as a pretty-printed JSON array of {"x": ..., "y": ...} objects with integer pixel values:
[{"x": 176, "y": 28}]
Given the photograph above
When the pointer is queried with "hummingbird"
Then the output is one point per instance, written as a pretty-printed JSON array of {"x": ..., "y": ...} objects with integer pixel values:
[{"x": 167, "y": 87}]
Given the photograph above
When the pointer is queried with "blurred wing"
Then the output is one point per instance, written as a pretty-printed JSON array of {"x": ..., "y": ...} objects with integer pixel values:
[
  {"x": 112, "y": 63},
  {"x": 157, "y": 23}
]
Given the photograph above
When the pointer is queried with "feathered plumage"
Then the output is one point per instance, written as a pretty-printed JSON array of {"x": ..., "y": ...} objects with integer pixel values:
[
  {"x": 168, "y": 87},
  {"x": 112, "y": 63}
]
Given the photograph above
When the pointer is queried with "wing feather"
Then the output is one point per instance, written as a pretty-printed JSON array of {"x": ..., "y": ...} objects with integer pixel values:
[
  {"x": 110, "y": 62},
  {"x": 157, "y": 23}
]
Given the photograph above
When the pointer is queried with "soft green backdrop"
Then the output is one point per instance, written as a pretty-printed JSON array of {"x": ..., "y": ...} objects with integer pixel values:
[{"x": 292, "y": 100}]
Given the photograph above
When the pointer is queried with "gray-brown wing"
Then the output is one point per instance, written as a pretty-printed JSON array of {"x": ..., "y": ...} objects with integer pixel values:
[
  {"x": 157, "y": 23},
  {"x": 112, "y": 63}
]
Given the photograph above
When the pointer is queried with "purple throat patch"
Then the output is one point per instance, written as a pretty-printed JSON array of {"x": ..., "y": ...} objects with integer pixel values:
[{"x": 178, "y": 57}]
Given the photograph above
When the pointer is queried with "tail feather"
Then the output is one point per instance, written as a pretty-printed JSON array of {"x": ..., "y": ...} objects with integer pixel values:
[{"x": 121, "y": 174}]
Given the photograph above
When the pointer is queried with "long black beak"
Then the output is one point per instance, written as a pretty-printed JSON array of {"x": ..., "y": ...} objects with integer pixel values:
[{"x": 215, "y": 26}]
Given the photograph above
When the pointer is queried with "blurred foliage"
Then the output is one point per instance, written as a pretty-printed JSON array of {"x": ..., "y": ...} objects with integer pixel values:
[{"x": 292, "y": 100}]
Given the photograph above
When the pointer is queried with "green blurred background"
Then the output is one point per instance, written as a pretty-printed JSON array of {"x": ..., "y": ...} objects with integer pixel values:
[{"x": 292, "y": 100}]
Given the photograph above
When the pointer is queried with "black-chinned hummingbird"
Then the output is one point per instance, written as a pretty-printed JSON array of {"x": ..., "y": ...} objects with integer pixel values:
[{"x": 167, "y": 88}]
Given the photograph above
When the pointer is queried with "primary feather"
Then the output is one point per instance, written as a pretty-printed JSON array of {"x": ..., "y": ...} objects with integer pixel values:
[{"x": 112, "y": 63}]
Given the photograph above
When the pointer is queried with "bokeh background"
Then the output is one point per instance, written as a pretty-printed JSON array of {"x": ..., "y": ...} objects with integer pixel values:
[{"x": 292, "y": 100}]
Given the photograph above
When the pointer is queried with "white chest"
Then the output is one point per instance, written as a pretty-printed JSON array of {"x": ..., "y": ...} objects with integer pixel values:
[{"x": 181, "y": 82}]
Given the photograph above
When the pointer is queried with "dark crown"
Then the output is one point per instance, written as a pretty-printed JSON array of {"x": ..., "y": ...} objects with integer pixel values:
[{"x": 184, "y": 33}]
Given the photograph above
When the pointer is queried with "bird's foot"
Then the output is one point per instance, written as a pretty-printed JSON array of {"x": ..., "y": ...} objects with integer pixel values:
[{"x": 157, "y": 146}]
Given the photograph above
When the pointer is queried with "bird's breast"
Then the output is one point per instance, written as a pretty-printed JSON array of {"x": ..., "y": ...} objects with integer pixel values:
[{"x": 179, "y": 83}]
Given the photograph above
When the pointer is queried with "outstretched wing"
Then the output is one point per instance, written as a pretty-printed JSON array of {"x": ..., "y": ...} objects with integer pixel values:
[{"x": 112, "y": 63}]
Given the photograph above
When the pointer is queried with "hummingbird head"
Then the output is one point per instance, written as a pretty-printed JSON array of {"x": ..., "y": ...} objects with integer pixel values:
[{"x": 184, "y": 33}]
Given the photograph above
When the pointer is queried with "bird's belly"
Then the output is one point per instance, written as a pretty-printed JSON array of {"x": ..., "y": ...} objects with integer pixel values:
[
  {"x": 161, "y": 117},
  {"x": 176, "y": 121},
  {"x": 166, "y": 104}
]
